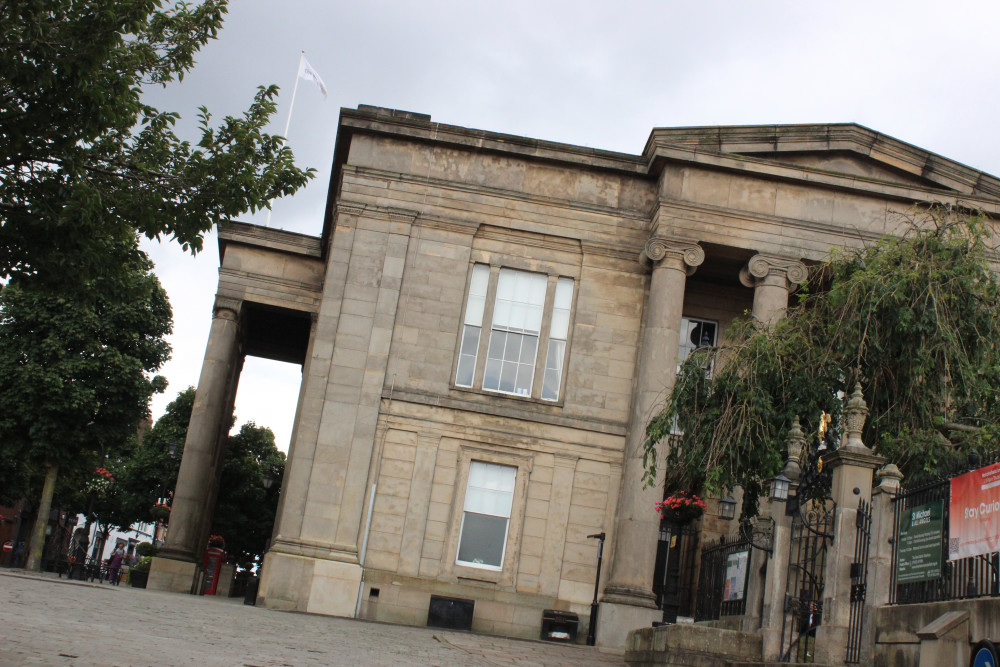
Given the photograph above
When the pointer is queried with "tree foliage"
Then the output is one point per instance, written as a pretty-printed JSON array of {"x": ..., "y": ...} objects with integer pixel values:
[
  {"x": 85, "y": 163},
  {"x": 75, "y": 373},
  {"x": 915, "y": 319},
  {"x": 244, "y": 510}
]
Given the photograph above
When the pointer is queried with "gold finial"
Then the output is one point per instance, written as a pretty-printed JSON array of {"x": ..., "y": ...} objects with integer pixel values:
[{"x": 824, "y": 423}]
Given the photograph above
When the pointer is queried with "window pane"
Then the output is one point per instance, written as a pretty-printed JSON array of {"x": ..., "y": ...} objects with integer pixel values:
[
  {"x": 467, "y": 357},
  {"x": 564, "y": 294},
  {"x": 507, "y": 376},
  {"x": 480, "y": 280},
  {"x": 560, "y": 324},
  {"x": 553, "y": 370},
  {"x": 528, "y": 345},
  {"x": 497, "y": 341},
  {"x": 502, "y": 314},
  {"x": 505, "y": 286},
  {"x": 491, "y": 379},
  {"x": 474, "y": 311},
  {"x": 483, "y": 540},
  {"x": 512, "y": 350}
]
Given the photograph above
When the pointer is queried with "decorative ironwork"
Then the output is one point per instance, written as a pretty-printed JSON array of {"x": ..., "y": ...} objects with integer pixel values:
[
  {"x": 806, "y": 581},
  {"x": 859, "y": 580},
  {"x": 812, "y": 511},
  {"x": 674, "y": 572},
  {"x": 758, "y": 533},
  {"x": 715, "y": 600}
]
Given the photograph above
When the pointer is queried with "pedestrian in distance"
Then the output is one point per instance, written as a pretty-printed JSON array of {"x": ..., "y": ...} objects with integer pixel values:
[{"x": 115, "y": 565}]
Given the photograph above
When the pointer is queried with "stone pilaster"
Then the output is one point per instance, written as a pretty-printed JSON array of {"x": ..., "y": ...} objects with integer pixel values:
[
  {"x": 195, "y": 491},
  {"x": 628, "y": 600},
  {"x": 772, "y": 278}
]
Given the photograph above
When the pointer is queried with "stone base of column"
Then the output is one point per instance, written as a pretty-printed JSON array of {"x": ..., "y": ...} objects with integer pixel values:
[
  {"x": 175, "y": 576},
  {"x": 312, "y": 585},
  {"x": 615, "y": 621}
]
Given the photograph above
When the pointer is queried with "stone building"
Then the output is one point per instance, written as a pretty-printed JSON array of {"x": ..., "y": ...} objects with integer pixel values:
[{"x": 485, "y": 326}]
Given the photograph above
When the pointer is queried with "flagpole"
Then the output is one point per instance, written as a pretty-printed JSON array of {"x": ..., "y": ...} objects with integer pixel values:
[{"x": 288, "y": 123}]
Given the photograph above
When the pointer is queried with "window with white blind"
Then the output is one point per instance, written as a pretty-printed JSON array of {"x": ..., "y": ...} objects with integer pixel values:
[
  {"x": 527, "y": 326},
  {"x": 489, "y": 496}
]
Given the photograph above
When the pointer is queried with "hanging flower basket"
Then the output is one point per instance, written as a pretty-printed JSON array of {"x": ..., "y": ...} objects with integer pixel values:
[
  {"x": 160, "y": 511},
  {"x": 681, "y": 507},
  {"x": 216, "y": 542}
]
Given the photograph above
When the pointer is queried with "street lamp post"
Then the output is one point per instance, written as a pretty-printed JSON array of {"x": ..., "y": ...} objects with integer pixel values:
[{"x": 592, "y": 628}]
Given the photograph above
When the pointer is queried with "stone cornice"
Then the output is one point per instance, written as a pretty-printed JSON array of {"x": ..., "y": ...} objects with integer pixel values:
[
  {"x": 266, "y": 237},
  {"x": 507, "y": 408},
  {"x": 639, "y": 217}
]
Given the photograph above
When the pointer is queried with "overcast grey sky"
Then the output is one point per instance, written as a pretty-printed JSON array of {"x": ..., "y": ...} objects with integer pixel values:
[{"x": 599, "y": 74}]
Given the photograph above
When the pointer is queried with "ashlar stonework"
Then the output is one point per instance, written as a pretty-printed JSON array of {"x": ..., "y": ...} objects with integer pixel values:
[{"x": 485, "y": 326}]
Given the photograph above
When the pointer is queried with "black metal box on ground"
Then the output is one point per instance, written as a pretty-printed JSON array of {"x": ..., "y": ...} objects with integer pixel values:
[
  {"x": 559, "y": 626},
  {"x": 450, "y": 613}
]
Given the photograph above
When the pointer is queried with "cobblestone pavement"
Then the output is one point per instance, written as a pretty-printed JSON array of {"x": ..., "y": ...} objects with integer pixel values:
[{"x": 49, "y": 621}]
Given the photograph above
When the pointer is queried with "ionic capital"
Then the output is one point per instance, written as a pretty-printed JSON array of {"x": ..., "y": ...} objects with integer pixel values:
[
  {"x": 686, "y": 255},
  {"x": 762, "y": 266},
  {"x": 227, "y": 309}
]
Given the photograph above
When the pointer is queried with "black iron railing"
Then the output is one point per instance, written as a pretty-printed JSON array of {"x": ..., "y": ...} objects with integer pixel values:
[
  {"x": 978, "y": 576},
  {"x": 723, "y": 579}
]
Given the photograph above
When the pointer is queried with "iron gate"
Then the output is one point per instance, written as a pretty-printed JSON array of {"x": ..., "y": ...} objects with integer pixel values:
[
  {"x": 812, "y": 511},
  {"x": 811, "y": 533},
  {"x": 674, "y": 572},
  {"x": 859, "y": 580}
]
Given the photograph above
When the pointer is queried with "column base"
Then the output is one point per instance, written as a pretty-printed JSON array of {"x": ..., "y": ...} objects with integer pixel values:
[
  {"x": 615, "y": 621},
  {"x": 311, "y": 585},
  {"x": 175, "y": 576}
]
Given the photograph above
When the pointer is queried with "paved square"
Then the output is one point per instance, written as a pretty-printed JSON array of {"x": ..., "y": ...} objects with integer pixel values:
[{"x": 48, "y": 621}]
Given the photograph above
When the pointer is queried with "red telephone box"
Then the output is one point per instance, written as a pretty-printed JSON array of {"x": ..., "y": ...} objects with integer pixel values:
[{"x": 212, "y": 563}]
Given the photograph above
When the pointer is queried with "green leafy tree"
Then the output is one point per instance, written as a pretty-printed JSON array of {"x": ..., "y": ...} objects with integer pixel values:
[
  {"x": 915, "y": 319},
  {"x": 75, "y": 372},
  {"x": 245, "y": 510},
  {"x": 85, "y": 163},
  {"x": 147, "y": 469}
]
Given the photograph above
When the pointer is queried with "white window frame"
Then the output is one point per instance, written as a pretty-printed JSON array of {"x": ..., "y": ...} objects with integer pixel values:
[
  {"x": 500, "y": 484},
  {"x": 455, "y": 570},
  {"x": 476, "y": 363}
]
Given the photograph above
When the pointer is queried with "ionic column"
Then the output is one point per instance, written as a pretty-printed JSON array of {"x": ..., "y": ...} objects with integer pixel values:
[
  {"x": 630, "y": 582},
  {"x": 772, "y": 278},
  {"x": 194, "y": 492}
]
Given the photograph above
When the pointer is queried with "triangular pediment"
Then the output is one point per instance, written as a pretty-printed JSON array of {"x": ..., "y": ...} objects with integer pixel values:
[{"x": 845, "y": 149}]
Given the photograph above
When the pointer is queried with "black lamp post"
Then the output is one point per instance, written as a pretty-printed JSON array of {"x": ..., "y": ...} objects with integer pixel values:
[{"x": 592, "y": 627}]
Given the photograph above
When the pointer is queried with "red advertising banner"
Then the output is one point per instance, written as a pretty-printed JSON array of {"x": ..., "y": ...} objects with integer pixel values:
[{"x": 974, "y": 524}]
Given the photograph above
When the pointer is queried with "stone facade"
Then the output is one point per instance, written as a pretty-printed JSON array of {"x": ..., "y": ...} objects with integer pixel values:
[{"x": 707, "y": 223}]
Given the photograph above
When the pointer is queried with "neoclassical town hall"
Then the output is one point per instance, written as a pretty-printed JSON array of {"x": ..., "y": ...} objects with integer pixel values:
[{"x": 485, "y": 326}]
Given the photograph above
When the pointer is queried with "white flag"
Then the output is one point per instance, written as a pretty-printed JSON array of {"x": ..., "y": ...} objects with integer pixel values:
[{"x": 307, "y": 72}]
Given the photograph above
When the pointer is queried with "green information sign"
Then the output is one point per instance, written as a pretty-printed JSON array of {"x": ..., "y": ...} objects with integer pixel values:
[{"x": 918, "y": 556}]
